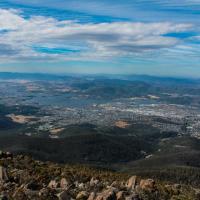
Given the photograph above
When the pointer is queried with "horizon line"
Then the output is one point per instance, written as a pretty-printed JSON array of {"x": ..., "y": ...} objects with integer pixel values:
[{"x": 99, "y": 74}]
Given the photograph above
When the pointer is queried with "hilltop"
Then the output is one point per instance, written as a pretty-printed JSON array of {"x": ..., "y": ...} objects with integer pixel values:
[{"x": 23, "y": 178}]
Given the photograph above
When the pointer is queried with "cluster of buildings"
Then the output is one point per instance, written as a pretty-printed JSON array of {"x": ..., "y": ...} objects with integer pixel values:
[{"x": 55, "y": 116}]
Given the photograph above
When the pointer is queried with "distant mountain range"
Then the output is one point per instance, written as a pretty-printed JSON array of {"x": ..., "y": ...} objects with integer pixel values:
[{"x": 146, "y": 78}]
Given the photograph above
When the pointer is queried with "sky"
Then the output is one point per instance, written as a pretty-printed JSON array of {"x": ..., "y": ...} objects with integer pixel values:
[{"x": 153, "y": 37}]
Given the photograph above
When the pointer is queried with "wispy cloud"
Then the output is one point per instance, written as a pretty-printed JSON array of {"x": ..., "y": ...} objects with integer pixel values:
[
  {"x": 138, "y": 10},
  {"x": 88, "y": 40},
  {"x": 147, "y": 33}
]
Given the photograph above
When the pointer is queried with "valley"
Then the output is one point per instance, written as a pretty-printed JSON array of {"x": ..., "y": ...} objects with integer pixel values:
[{"x": 152, "y": 125}]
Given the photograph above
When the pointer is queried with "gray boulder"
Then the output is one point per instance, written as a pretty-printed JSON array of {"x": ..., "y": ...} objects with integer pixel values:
[{"x": 3, "y": 175}]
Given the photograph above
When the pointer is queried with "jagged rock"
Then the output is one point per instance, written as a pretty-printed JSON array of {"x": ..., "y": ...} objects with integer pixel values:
[
  {"x": 53, "y": 184},
  {"x": 115, "y": 189},
  {"x": 120, "y": 195},
  {"x": 147, "y": 184},
  {"x": 114, "y": 184},
  {"x": 64, "y": 195},
  {"x": 81, "y": 186},
  {"x": 131, "y": 183},
  {"x": 3, "y": 175},
  {"x": 92, "y": 196},
  {"x": 82, "y": 195},
  {"x": 107, "y": 195},
  {"x": 64, "y": 183},
  {"x": 93, "y": 182}
]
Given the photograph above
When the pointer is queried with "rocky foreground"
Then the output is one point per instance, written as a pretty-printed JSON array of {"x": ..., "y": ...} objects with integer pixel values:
[{"x": 22, "y": 178}]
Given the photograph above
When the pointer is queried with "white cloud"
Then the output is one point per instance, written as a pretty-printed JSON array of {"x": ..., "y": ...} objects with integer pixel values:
[{"x": 19, "y": 35}]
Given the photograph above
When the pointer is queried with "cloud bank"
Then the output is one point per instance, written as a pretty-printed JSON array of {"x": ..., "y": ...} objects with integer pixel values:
[{"x": 46, "y": 38}]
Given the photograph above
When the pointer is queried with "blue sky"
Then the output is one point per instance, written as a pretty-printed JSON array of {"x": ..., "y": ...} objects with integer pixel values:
[{"x": 91, "y": 36}]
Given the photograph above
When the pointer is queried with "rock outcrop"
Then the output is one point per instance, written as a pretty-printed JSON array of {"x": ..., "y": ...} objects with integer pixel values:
[
  {"x": 147, "y": 184},
  {"x": 3, "y": 175},
  {"x": 131, "y": 183},
  {"x": 22, "y": 178}
]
